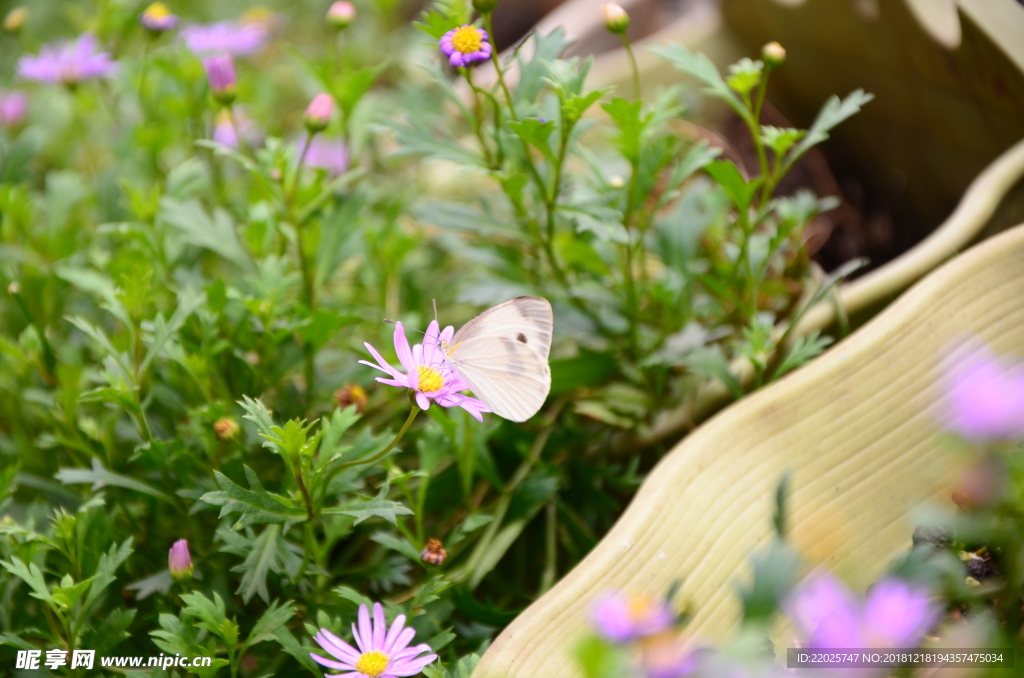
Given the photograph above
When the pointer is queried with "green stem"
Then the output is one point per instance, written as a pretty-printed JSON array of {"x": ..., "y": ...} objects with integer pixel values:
[
  {"x": 369, "y": 460},
  {"x": 547, "y": 578},
  {"x": 243, "y": 143},
  {"x": 478, "y": 118},
  {"x": 497, "y": 68},
  {"x": 632, "y": 63}
]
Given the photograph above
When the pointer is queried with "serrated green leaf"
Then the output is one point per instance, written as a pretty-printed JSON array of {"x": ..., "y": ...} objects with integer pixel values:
[
  {"x": 710, "y": 361},
  {"x": 537, "y": 133},
  {"x": 31, "y": 575},
  {"x": 832, "y": 113},
  {"x": 702, "y": 68},
  {"x": 262, "y": 559},
  {"x": 269, "y": 623},
  {"x": 397, "y": 543},
  {"x": 104, "y": 575},
  {"x": 728, "y": 176},
  {"x": 292, "y": 647},
  {"x": 100, "y": 477},
  {"x": 256, "y": 506},
  {"x": 379, "y": 507},
  {"x": 216, "y": 233}
]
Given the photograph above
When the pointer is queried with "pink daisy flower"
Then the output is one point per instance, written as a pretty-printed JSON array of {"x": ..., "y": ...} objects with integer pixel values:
[
  {"x": 429, "y": 374},
  {"x": 382, "y": 653},
  {"x": 621, "y": 618}
]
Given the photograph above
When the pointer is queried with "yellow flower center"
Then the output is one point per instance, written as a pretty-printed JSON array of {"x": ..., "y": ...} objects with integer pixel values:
[
  {"x": 372, "y": 663},
  {"x": 157, "y": 10},
  {"x": 430, "y": 379},
  {"x": 467, "y": 39},
  {"x": 639, "y": 607}
]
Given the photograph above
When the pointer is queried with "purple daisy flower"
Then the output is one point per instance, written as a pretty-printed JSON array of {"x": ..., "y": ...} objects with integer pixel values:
[
  {"x": 429, "y": 374},
  {"x": 68, "y": 62},
  {"x": 623, "y": 619},
  {"x": 157, "y": 18},
  {"x": 382, "y": 653},
  {"x": 465, "y": 45},
  {"x": 894, "y": 614},
  {"x": 328, "y": 153},
  {"x": 985, "y": 395},
  {"x": 226, "y": 37}
]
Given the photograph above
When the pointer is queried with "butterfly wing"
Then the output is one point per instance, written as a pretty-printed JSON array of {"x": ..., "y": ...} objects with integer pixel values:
[{"x": 502, "y": 354}]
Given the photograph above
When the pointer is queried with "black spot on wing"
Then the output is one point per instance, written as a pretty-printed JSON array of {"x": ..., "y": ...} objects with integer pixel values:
[{"x": 521, "y": 337}]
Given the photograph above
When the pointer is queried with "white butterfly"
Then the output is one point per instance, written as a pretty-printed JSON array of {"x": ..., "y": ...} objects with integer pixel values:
[{"x": 502, "y": 354}]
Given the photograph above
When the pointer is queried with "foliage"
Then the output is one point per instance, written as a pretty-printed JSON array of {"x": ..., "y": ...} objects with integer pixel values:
[{"x": 183, "y": 317}]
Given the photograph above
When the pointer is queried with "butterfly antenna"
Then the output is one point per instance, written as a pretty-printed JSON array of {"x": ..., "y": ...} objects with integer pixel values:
[
  {"x": 392, "y": 322},
  {"x": 434, "y": 302}
]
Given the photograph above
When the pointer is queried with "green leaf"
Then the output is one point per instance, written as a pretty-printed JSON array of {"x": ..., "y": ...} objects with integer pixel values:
[
  {"x": 702, "y": 68},
  {"x": 211, "y": 616},
  {"x": 322, "y": 326},
  {"x": 100, "y": 477},
  {"x": 780, "y": 139},
  {"x": 729, "y": 178},
  {"x": 832, "y": 113},
  {"x": 600, "y": 659},
  {"x": 441, "y": 640},
  {"x": 774, "y": 573},
  {"x": 803, "y": 350},
  {"x": 353, "y": 595},
  {"x": 269, "y": 623},
  {"x": 101, "y": 338},
  {"x": 466, "y": 218},
  {"x": 263, "y": 558},
  {"x": 586, "y": 369},
  {"x": 32, "y": 576},
  {"x": 532, "y": 73},
  {"x": 626, "y": 115},
  {"x": 710, "y": 361},
  {"x": 604, "y": 222},
  {"x": 256, "y": 506},
  {"x": 745, "y": 75},
  {"x": 379, "y": 507},
  {"x": 396, "y": 543},
  {"x": 293, "y": 648},
  {"x": 417, "y": 140},
  {"x": 536, "y": 133},
  {"x": 496, "y": 550},
  {"x": 188, "y": 302},
  {"x": 103, "y": 575},
  {"x": 216, "y": 233},
  {"x": 111, "y": 631},
  {"x": 187, "y": 179}
]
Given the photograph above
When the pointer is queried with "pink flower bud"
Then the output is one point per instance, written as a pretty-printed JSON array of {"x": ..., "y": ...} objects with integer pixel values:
[
  {"x": 341, "y": 14},
  {"x": 774, "y": 54},
  {"x": 318, "y": 113},
  {"x": 179, "y": 561},
  {"x": 220, "y": 70},
  {"x": 615, "y": 18}
]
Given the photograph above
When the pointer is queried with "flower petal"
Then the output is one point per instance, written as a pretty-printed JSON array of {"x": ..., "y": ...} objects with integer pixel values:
[
  {"x": 336, "y": 646},
  {"x": 423, "y": 401},
  {"x": 402, "y": 349},
  {"x": 380, "y": 626},
  {"x": 324, "y": 661},
  {"x": 393, "y": 633},
  {"x": 411, "y": 667},
  {"x": 365, "y": 629},
  {"x": 400, "y": 649}
]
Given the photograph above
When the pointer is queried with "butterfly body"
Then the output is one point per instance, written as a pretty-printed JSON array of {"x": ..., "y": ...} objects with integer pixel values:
[{"x": 502, "y": 354}]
